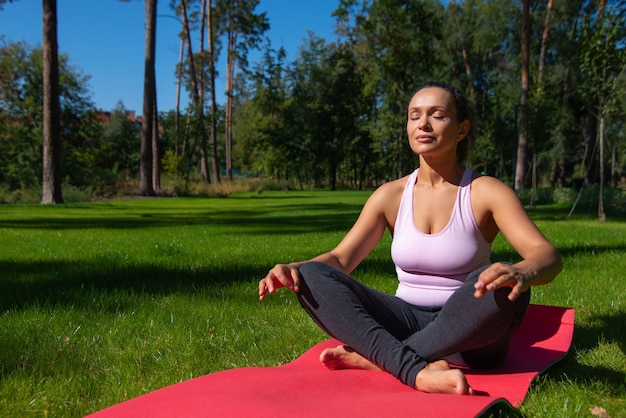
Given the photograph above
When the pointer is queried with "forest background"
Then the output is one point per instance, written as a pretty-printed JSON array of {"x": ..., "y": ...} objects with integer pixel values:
[{"x": 546, "y": 78}]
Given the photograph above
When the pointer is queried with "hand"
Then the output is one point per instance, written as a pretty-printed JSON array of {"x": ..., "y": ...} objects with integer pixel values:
[
  {"x": 282, "y": 275},
  {"x": 502, "y": 274}
]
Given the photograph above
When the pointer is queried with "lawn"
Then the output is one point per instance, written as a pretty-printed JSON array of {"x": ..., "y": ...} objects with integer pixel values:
[{"x": 105, "y": 301}]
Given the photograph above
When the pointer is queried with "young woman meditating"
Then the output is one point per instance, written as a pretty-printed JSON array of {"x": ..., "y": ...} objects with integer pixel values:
[{"x": 450, "y": 298}]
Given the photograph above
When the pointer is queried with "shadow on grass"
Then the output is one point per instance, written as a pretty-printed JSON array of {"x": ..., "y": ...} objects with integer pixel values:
[
  {"x": 52, "y": 283},
  {"x": 609, "y": 330},
  {"x": 74, "y": 284},
  {"x": 278, "y": 219},
  {"x": 565, "y": 252},
  {"x": 26, "y": 282},
  {"x": 561, "y": 213},
  {"x": 501, "y": 409}
]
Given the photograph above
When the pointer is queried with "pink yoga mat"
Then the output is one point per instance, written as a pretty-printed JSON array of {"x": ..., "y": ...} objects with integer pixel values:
[{"x": 305, "y": 388}]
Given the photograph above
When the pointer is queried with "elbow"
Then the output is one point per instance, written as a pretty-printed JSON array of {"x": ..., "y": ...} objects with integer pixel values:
[{"x": 557, "y": 265}]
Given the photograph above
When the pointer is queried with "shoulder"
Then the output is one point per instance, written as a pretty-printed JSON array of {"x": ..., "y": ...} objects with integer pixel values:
[
  {"x": 490, "y": 189},
  {"x": 385, "y": 200},
  {"x": 389, "y": 192},
  {"x": 494, "y": 201}
]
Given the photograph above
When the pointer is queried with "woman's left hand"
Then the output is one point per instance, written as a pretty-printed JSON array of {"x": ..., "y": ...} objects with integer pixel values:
[{"x": 503, "y": 274}]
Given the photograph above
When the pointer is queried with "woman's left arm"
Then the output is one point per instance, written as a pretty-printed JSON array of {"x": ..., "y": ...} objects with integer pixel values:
[{"x": 540, "y": 259}]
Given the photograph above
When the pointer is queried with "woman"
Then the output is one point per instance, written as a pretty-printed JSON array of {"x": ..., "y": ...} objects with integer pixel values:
[{"x": 450, "y": 299}]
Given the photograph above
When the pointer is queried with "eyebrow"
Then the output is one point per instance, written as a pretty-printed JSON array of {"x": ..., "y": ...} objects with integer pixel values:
[{"x": 444, "y": 108}]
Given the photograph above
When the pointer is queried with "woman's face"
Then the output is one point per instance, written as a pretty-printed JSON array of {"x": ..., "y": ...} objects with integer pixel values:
[{"x": 432, "y": 125}]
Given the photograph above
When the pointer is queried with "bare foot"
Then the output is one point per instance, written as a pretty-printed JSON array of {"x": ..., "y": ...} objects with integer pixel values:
[
  {"x": 344, "y": 357},
  {"x": 438, "y": 377}
]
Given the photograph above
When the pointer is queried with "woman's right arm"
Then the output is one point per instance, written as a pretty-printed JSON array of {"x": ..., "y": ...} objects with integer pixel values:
[{"x": 353, "y": 248}]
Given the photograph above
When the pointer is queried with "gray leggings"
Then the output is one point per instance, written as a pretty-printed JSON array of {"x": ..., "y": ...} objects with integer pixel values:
[{"x": 403, "y": 338}]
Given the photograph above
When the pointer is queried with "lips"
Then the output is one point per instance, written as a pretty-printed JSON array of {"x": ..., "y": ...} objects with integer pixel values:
[{"x": 425, "y": 138}]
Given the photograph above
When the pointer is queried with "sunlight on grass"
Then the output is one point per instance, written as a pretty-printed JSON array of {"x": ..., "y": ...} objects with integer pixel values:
[{"x": 105, "y": 301}]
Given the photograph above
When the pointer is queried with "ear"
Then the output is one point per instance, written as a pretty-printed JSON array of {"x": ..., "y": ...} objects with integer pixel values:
[{"x": 464, "y": 128}]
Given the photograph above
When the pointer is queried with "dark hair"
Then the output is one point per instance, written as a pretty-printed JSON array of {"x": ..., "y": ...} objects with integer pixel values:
[
  {"x": 463, "y": 112},
  {"x": 460, "y": 101}
]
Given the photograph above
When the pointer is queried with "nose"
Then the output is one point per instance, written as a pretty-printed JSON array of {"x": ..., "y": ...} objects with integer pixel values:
[{"x": 423, "y": 123}]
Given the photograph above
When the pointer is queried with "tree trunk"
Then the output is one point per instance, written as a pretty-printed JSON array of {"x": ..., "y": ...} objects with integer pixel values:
[
  {"x": 544, "y": 46},
  {"x": 204, "y": 163},
  {"x": 146, "y": 187},
  {"x": 156, "y": 163},
  {"x": 601, "y": 214},
  {"x": 179, "y": 76},
  {"x": 614, "y": 172},
  {"x": 230, "y": 73},
  {"x": 590, "y": 134},
  {"x": 195, "y": 92},
  {"x": 466, "y": 62},
  {"x": 539, "y": 92},
  {"x": 522, "y": 144},
  {"x": 212, "y": 77},
  {"x": 51, "y": 176}
]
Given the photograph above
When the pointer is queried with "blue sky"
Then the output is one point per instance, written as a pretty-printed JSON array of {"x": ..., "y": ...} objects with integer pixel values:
[{"x": 105, "y": 39}]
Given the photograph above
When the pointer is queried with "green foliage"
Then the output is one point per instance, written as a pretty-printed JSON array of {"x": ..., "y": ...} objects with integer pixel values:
[
  {"x": 603, "y": 59},
  {"x": 335, "y": 115},
  {"x": 105, "y": 301},
  {"x": 172, "y": 164},
  {"x": 21, "y": 109},
  {"x": 120, "y": 146},
  {"x": 396, "y": 45}
]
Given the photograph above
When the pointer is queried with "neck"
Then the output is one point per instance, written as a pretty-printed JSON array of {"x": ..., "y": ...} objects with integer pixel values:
[{"x": 437, "y": 172}]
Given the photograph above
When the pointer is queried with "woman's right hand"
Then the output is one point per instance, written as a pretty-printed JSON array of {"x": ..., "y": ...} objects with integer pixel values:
[{"x": 282, "y": 275}]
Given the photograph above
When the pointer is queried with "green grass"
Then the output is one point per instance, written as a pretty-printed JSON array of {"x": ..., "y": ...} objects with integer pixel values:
[{"x": 106, "y": 301}]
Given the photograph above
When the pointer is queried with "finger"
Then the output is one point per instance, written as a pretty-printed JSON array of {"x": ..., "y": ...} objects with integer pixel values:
[
  {"x": 517, "y": 290},
  {"x": 286, "y": 277},
  {"x": 502, "y": 281},
  {"x": 514, "y": 294},
  {"x": 486, "y": 278},
  {"x": 482, "y": 290},
  {"x": 262, "y": 289},
  {"x": 269, "y": 284},
  {"x": 295, "y": 278}
]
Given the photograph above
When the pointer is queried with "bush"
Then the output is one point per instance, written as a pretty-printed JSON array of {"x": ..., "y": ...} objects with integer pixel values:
[
  {"x": 543, "y": 196},
  {"x": 585, "y": 199},
  {"x": 73, "y": 194},
  {"x": 25, "y": 195},
  {"x": 564, "y": 195}
]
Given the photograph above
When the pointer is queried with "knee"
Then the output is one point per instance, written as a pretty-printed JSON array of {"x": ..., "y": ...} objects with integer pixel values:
[
  {"x": 311, "y": 267},
  {"x": 516, "y": 309},
  {"x": 314, "y": 284},
  {"x": 312, "y": 270},
  {"x": 315, "y": 276}
]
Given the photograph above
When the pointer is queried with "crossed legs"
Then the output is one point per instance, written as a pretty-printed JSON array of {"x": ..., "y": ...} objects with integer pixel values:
[{"x": 381, "y": 331}]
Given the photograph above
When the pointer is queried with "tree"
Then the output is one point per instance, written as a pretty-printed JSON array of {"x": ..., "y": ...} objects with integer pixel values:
[
  {"x": 243, "y": 30},
  {"x": 522, "y": 142},
  {"x": 51, "y": 179},
  {"x": 603, "y": 64},
  {"x": 212, "y": 49},
  {"x": 146, "y": 179},
  {"x": 195, "y": 77},
  {"x": 21, "y": 118},
  {"x": 384, "y": 50},
  {"x": 405, "y": 49},
  {"x": 118, "y": 143},
  {"x": 21, "y": 90}
]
